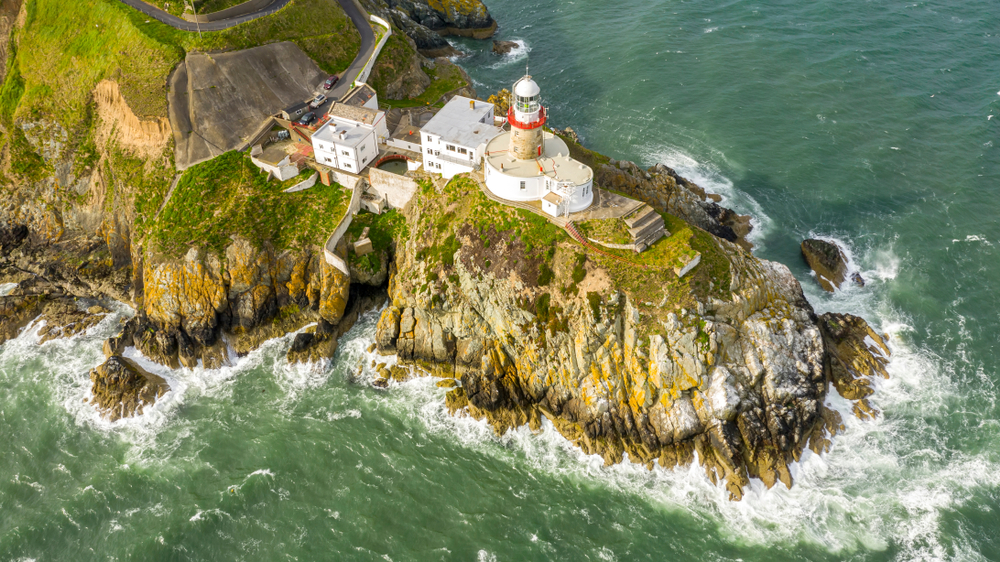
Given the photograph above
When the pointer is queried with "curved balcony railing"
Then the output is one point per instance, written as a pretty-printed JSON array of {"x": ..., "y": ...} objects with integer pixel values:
[{"x": 531, "y": 125}]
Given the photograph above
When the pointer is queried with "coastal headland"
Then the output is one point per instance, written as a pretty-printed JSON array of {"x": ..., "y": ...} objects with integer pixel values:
[{"x": 693, "y": 350}]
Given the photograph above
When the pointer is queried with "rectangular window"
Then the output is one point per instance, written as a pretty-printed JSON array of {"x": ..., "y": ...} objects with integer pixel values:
[
  {"x": 438, "y": 166},
  {"x": 523, "y": 186},
  {"x": 429, "y": 139},
  {"x": 462, "y": 151},
  {"x": 429, "y": 151},
  {"x": 347, "y": 165},
  {"x": 328, "y": 159},
  {"x": 345, "y": 153},
  {"x": 450, "y": 147}
]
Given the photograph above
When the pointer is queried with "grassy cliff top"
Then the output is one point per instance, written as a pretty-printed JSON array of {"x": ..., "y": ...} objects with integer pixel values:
[
  {"x": 65, "y": 48},
  {"x": 458, "y": 223},
  {"x": 228, "y": 195}
]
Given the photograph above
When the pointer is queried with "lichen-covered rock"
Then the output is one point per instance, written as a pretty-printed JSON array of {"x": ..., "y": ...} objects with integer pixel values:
[
  {"x": 256, "y": 296},
  {"x": 122, "y": 389},
  {"x": 738, "y": 374},
  {"x": 856, "y": 356},
  {"x": 827, "y": 260}
]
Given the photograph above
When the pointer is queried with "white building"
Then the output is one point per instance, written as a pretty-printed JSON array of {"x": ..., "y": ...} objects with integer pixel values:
[
  {"x": 454, "y": 140},
  {"x": 529, "y": 164},
  {"x": 345, "y": 144}
]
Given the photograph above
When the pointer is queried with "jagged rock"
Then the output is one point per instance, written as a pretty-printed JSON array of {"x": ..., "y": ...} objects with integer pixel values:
[
  {"x": 122, "y": 389},
  {"x": 856, "y": 356},
  {"x": 503, "y": 47},
  {"x": 740, "y": 378},
  {"x": 320, "y": 342},
  {"x": 666, "y": 191},
  {"x": 63, "y": 319},
  {"x": 827, "y": 260},
  {"x": 18, "y": 311}
]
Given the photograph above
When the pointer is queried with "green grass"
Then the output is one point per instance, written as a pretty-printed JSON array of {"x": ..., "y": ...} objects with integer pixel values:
[
  {"x": 444, "y": 78},
  {"x": 228, "y": 196},
  {"x": 611, "y": 231},
  {"x": 383, "y": 229}
]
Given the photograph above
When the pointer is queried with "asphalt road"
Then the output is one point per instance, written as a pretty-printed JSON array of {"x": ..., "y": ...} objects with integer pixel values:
[
  {"x": 184, "y": 25},
  {"x": 350, "y": 7}
]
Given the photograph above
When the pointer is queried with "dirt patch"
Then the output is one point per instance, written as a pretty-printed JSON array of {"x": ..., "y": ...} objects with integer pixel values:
[{"x": 145, "y": 138}]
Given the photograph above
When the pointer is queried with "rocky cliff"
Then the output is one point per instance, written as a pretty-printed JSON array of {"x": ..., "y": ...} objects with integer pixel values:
[
  {"x": 427, "y": 21},
  {"x": 729, "y": 362}
]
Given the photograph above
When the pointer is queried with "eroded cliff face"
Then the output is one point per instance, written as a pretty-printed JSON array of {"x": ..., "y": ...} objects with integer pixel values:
[
  {"x": 737, "y": 374},
  {"x": 197, "y": 308}
]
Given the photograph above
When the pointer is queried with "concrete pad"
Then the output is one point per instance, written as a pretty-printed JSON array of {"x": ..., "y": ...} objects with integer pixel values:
[{"x": 218, "y": 100}]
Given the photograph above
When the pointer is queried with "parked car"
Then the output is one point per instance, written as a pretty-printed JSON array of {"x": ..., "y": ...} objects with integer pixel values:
[
  {"x": 308, "y": 118},
  {"x": 317, "y": 101},
  {"x": 330, "y": 82}
]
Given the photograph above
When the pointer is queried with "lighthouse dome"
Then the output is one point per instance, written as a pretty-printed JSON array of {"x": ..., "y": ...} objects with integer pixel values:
[{"x": 526, "y": 88}]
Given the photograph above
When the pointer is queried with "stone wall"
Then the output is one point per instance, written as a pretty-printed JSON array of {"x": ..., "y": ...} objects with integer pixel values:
[{"x": 397, "y": 190}]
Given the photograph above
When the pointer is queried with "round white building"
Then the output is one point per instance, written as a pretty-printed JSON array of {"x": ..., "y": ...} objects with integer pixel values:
[{"x": 529, "y": 164}]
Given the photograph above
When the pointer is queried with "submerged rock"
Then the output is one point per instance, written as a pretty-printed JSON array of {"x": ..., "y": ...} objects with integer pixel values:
[
  {"x": 504, "y": 47},
  {"x": 827, "y": 260},
  {"x": 122, "y": 389}
]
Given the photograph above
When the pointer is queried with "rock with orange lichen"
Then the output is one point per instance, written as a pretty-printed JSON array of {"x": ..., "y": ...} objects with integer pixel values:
[
  {"x": 735, "y": 378},
  {"x": 122, "y": 389}
]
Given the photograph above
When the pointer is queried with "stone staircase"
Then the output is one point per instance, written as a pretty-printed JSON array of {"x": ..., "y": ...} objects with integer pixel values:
[{"x": 646, "y": 227}]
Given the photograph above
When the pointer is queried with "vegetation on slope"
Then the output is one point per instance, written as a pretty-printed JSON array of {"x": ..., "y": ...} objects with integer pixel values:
[
  {"x": 458, "y": 222},
  {"x": 228, "y": 195}
]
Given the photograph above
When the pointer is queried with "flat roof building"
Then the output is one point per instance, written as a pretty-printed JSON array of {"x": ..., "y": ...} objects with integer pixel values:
[{"x": 454, "y": 140}]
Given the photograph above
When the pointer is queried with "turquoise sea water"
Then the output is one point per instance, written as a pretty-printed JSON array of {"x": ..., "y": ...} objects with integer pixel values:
[{"x": 868, "y": 122}]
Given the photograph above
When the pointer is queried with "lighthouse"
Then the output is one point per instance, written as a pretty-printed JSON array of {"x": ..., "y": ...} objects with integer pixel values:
[
  {"x": 526, "y": 117},
  {"x": 528, "y": 163}
]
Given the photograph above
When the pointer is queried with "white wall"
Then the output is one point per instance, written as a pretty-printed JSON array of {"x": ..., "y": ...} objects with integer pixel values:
[
  {"x": 344, "y": 157},
  {"x": 454, "y": 162}
]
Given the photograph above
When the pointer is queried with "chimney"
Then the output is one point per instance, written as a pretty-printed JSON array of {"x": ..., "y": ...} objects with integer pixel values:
[
  {"x": 472, "y": 104},
  {"x": 343, "y": 135}
]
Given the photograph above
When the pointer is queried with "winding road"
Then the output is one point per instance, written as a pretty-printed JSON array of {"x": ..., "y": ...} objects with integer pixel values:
[{"x": 351, "y": 7}]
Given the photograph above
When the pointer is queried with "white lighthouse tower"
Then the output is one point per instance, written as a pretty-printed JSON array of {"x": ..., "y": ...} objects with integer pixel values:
[
  {"x": 529, "y": 164},
  {"x": 526, "y": 117}
]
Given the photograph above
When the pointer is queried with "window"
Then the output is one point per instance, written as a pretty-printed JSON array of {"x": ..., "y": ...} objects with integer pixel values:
[
  {"x": 345, "y": 153},
  {"x": 429, "y": 139},
  {"x": 438, "y": 166},
  {"x": 328, "y": 159},
  {"x": 450, "y": 147},
  {"x": 347, "y": 165},
  {"x": 437, "y": 153},
  {"x": 462, "y": 150},
  {"x": 429, "y": 151},
  {"x": 523, "y": 186}
]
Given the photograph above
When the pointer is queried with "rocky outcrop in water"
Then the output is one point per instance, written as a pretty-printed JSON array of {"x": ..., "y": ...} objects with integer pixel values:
[
  {"x": 122, "y": 389},
  {"x": 827, "y": 260},
  {"x": 503, "y": 47}
]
